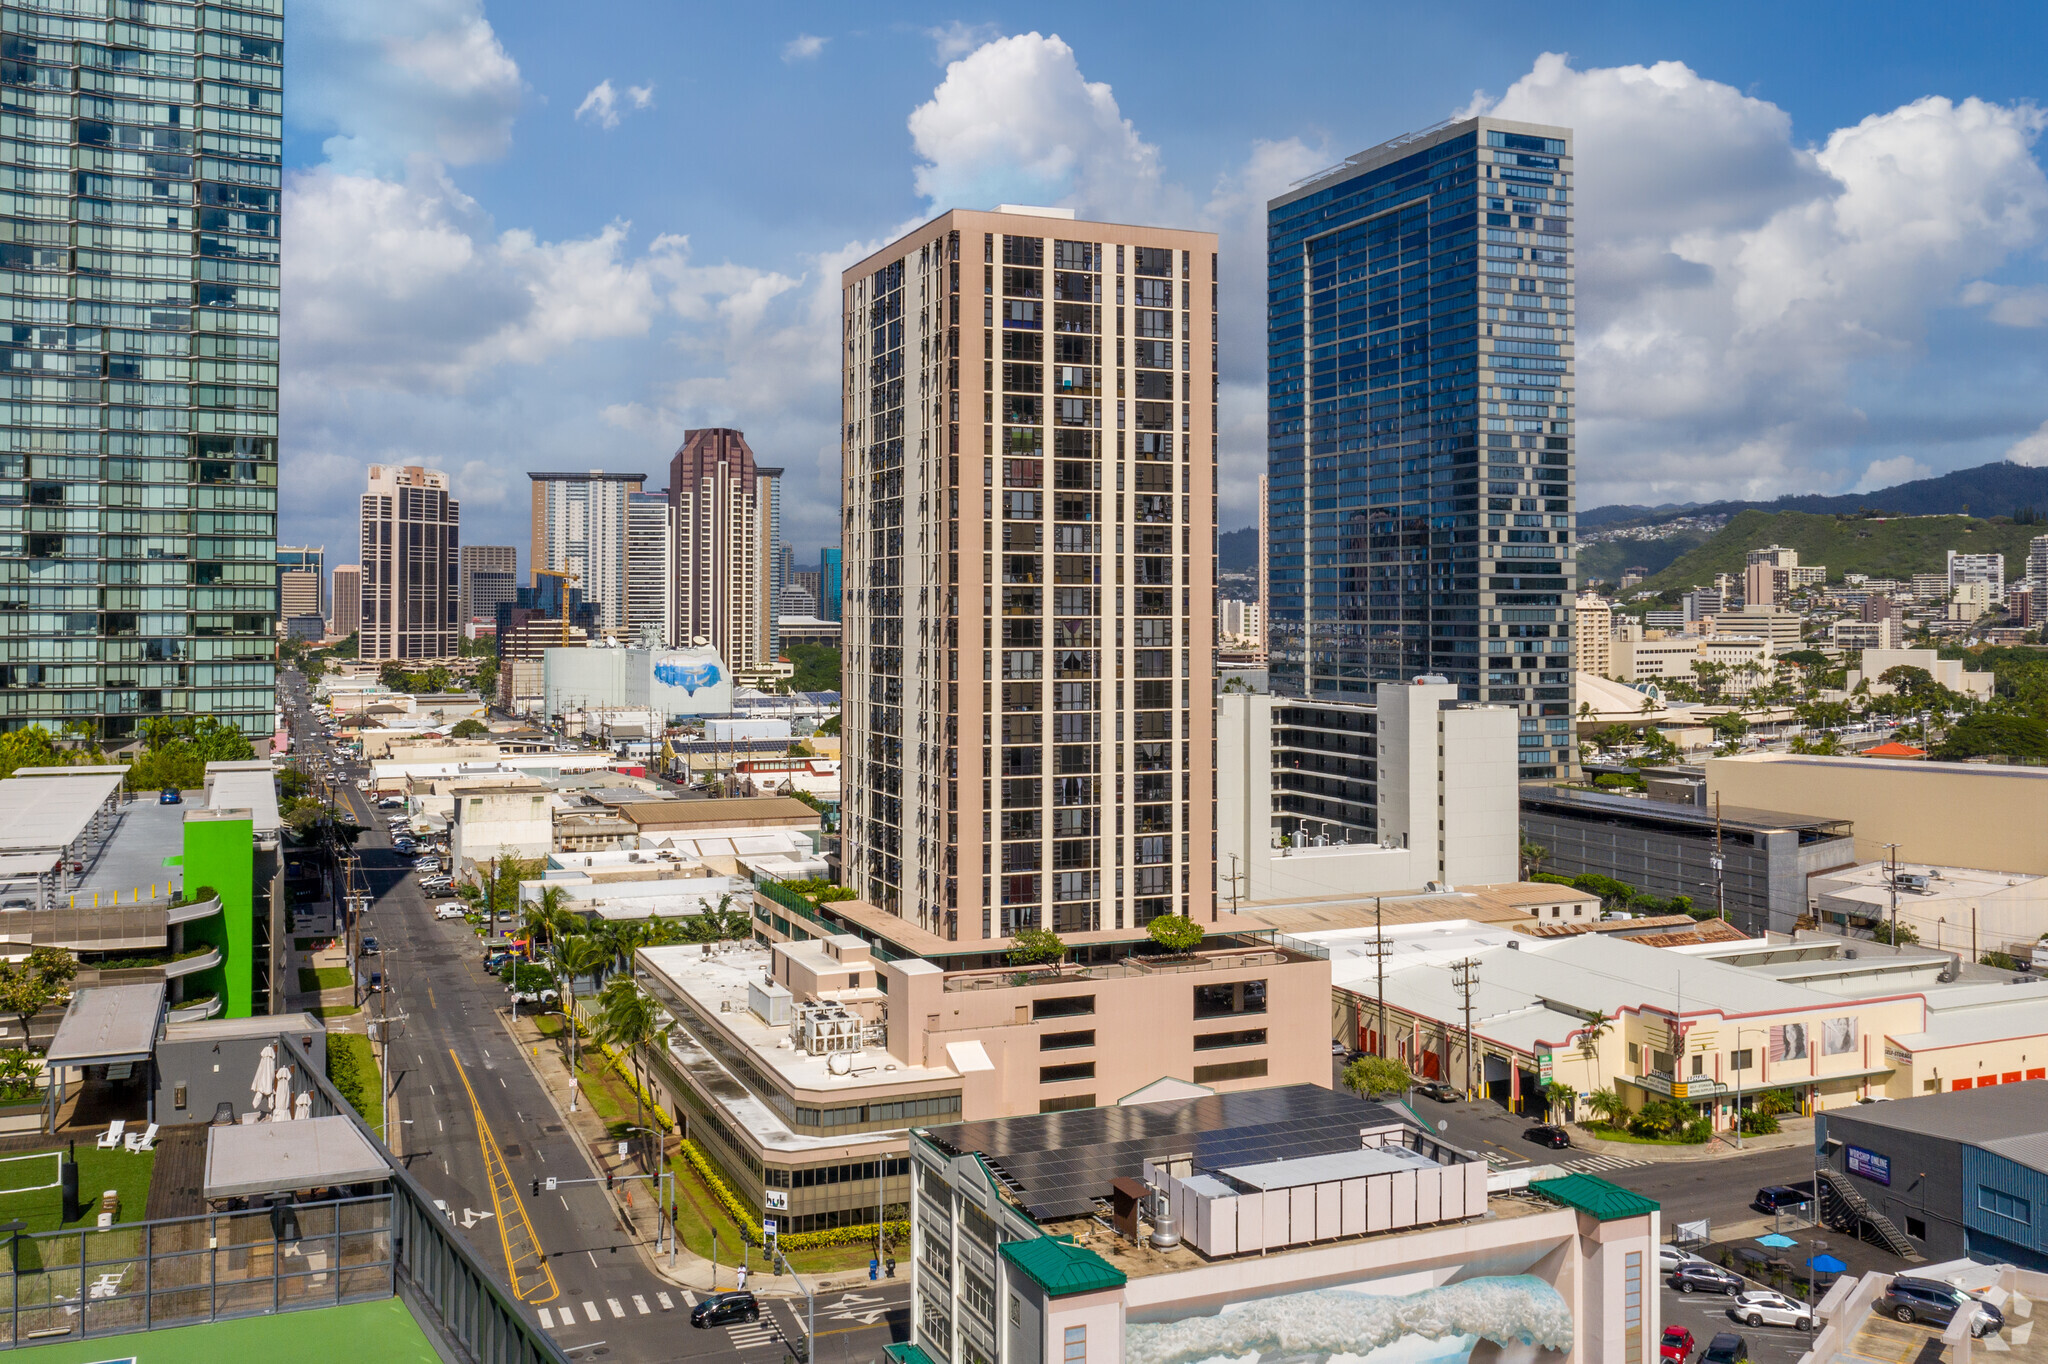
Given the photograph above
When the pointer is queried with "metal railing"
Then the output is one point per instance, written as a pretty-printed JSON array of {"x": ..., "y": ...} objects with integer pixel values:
[{"x": 221, "y": 1265}]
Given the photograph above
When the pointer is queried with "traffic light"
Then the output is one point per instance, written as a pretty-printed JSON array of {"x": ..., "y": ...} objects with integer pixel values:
[
  {"x": 536, "y": 1186},
  {"x": 610, "y": 1180}
]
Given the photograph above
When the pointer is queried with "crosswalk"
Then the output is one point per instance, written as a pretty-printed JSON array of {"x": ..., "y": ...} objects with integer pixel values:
[
  {"x": 753, "y": 1335},
  {"x": 606, "y": 1309},
  {"x": 1588, "y": 1164}
]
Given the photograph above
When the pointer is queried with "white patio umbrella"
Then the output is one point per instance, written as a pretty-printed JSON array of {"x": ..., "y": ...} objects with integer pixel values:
[
  {"x": 281, "y": 1100},
  {"x": 302, "y": 1106},
  {"x": 266, "y": 1078}
]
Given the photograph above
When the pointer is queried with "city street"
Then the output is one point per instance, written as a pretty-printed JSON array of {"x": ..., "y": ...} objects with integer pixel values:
[{"x": 447, "y": 1028}]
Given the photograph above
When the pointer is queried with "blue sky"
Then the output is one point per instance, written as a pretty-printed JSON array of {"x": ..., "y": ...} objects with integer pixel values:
[{"x": 525, "y": 236}]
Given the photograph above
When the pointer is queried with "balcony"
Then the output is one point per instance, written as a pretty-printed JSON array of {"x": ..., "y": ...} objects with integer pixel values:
[{"x": 192, "y": 963}]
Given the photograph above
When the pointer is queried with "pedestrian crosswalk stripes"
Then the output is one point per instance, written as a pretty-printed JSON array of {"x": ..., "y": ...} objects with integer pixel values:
[
  {"x": 752, "y": 1335},
  {"x": 1589, "y": 1164},
  {"x": 594, "y": 1309}
]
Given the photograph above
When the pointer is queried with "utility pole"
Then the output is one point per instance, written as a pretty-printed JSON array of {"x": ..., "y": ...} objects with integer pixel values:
[
  {"x": 1379, "y": 952},
  {"x": 1465, "y": 976},
  {"x": 1720, "y": 886},
  {"x": 1234, "y": 881},
  {"x": 1892, "y": 883}
]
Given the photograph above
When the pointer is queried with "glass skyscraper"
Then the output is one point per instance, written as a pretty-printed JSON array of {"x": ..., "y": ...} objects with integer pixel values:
[
  {"x": 1420, "y": 502},
  {"x": 139, "y": 183}
]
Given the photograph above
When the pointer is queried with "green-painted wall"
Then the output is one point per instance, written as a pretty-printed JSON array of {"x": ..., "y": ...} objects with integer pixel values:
[{"x": 221, "y": 853}]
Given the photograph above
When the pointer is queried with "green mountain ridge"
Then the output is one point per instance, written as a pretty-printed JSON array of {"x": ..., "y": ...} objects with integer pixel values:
[{"x": 1895, "y": 548}]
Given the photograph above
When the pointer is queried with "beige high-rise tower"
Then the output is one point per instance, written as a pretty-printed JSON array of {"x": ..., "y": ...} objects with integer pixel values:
[
  {"x": 1029, "y": 458},
  {"x": 410, "y": 540}
]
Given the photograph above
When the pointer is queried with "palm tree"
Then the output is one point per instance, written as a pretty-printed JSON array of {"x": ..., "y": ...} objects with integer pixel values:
[
  {"x": 548, "y": 918},
  {"x": 628, "y": 1020},
  {"x": 1607, "y": 1105},
  {"x": 577, "y": 954},
  {"x": 1590, "y": 1036},
  {"x": 1534, "y": 855}
]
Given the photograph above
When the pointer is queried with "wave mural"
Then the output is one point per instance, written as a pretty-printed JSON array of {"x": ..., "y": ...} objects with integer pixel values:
[{"x": 1511, "y": 1310}]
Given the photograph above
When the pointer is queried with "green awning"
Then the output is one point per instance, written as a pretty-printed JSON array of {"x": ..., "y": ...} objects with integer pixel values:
[
  {"x": 1591, "y": 1194},
  {"x": 908, "y": 1354},
  {"x": 1061, "y": 1268}
]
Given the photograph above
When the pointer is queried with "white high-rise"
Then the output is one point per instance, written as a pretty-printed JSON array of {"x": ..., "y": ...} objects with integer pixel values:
[
  {"x": 1988, "y": 569},
  {"x": 579, "y": 526},
  {"x": 650, "y": 566}
]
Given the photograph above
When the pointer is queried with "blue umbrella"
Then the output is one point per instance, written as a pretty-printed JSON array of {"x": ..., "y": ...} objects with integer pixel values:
[
  {"x": 1775, "y": 1241},
  {"x": 1826, "y": 1264}
]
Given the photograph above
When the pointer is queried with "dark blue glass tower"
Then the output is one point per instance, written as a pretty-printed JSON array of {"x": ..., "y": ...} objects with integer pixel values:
[{"x": 1419, "y": 335}]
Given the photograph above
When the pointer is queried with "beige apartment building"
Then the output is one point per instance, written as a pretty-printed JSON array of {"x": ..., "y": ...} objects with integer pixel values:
[
  {"x": 1030, "y": 507},
  {"x": 348, "y": 600},
  {"x": 1748, "y": 660},
  {"x": 1781, "y": 628},
  {"x": 1593, "y": 636}
]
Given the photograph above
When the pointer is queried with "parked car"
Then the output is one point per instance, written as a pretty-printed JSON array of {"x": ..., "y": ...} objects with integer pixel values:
[
  {"x": 496, "y": 961},
  {"x": 1774, "y": 1197},
  {"x": 1670, "y": 1257},
  {"x": 169, "y": 796},
  {"x": 1677, "y": 1345},
  {"x": 721, "y": 1309},
  {"x": 1438, "y": 1090},
  {"x": 1765, "y": 1308},
  {"x": 376, "y": 981},
  {"x": 1936, "y": 1302},
  {"x": 1725, "y": 1348},
  {"x": 1549, "y": 1134},
  {"x": 534, "y": 996},
  {"x": 451, "y": 909},
  {"x": 371, "y": 947},
  {"x": 1697, "y": 1276}
]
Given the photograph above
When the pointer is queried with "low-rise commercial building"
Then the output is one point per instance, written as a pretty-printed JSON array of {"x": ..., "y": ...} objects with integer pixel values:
[
  {"x": 1948, "y": 814},
  {"x": 1949, "y": 672},
  {"x": 1677, "y": 658},
  {"x": 1960, "y": 1174},
  {"x": 490, "y": 822},
  {"x": 1668, "y": 849},
  {"x": 1184, "y": 1225},
  {"x": 1960, "y": 909}
]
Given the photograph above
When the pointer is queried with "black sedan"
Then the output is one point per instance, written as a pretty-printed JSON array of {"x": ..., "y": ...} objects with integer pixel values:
[
  {"x": 1548, "y": 1134},
  {"x": 1697, "y": 1276},
  {"x": 722, "y": 1309}
]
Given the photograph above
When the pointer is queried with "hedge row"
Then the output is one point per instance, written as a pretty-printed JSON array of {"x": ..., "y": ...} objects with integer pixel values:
[{"x": 751, "y": 1225}]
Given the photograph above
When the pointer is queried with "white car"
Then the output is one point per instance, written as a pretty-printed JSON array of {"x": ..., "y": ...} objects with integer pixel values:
[
  {"x": 1670, "y": 1257},
  {"x": 1765, "y": 1308},
  {"x": 529, "y": 997},
  {"x": 454, "y": 909}
]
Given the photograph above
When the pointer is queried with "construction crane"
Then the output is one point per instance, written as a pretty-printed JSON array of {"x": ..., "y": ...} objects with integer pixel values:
[{"x": 567, "y": 576}]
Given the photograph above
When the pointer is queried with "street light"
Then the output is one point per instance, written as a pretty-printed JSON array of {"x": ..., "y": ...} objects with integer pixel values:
[{"x": 1765, "y": 1034}]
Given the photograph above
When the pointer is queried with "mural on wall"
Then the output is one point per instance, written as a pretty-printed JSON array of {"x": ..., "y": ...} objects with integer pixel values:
[{"x": 1511, "y": 1317}]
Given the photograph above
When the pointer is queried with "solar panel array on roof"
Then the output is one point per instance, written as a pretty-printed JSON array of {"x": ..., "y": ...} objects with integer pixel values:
[{"x": 1058, "y": 1164}]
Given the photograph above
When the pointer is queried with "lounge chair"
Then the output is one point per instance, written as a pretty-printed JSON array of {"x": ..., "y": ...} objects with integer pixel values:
[
  {"x": 143, "y": 1141},
  {"x": 110, "y": 1140}
]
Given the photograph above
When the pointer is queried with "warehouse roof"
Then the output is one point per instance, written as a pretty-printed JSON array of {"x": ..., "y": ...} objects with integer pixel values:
[
  {"x": 1601, "y": 805},
  {"x": 1980, "y": 1117}
]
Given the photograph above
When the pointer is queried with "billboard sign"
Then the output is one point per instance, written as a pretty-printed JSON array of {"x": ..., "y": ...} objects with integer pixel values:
[
  {"x": 690, "y": 682},
  {"x": 1870, "y": 1165}
]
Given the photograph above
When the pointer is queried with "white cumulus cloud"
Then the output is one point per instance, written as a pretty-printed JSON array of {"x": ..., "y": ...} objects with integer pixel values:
[
  {"x": 803, "y": 47},
  {"x": 605, "y": 104},
  {"x": 396, "y": 79},
  {"x": 958, "y": 38},
  {"x": 2031, "y": 449}
]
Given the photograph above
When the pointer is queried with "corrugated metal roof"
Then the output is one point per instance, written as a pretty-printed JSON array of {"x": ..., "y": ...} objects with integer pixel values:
[
  {"x": 1978, "y": 1117},
  {"x": 1591, "y": 1194}
]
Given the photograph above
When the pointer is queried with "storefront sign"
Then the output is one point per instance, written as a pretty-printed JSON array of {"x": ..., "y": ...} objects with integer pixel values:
[{"x": 1870, "y": 1165}]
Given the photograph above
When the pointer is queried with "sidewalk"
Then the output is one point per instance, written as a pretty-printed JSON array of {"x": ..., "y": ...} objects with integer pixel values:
[
  {"x": 633, "y": 1203},
  {"x": 1792, "y": 1132}
]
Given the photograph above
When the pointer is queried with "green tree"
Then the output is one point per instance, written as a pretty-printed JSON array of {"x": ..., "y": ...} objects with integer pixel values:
[
  {"x": 1370, "y": 1075},
  {"x": 548, "y": 918},
  {"x": 468, "y": 729},
  {"x": 1591, "y": 1034},
  {"x": 628, "y": 1021},
  {"x": 1995, "y": 734},
  {"x": 1175, "y": 933},
  {"x": 1607, "y": 1105},
  {"x": 1558, "y": 1099},
  {"x": 392, "y": 676},
  {"x": 578, "y": 955},
  {"x": 830, "y": 726},
  {"x": 487, "y": 676},
  {"x": 29, "y": 986},
  {"x": 1881, "y": 931},
  {"x": 1036, "y": 947},
  {"x": 1534, "y": 855},
  {"x": 817, "y": 667}
]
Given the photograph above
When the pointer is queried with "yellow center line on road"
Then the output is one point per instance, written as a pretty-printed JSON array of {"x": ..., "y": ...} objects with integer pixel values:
[{"x": 507, "y": 1209}]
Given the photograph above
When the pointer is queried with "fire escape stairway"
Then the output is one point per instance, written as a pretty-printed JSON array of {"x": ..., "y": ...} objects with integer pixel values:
[{"x": 1844, "y": 1208}]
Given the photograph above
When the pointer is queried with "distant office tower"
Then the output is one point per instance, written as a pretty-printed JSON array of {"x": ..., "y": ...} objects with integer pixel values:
[
  {"x": 1265, "y": 557},
  {"x": 1766, "y": 584},
  {"x": 1702, "y": 603},
  {"x": 1419, "y": 347},
  {"x": 1878, "y": 607},
  {"x": 828, "y": 583},
  {"x": 728, "y": 520},
  {"x": 579, "y": 526},
  {"x": 2037, "y": 570},
  {"x": 139, "y": 443},
  {"x": 475, "y": 559},
  {"x": 488, "y": 590},
  {"x": 309, "y": 560},
  {"x": 1029, "y": 531},
  {"x": 1988, "y": 569},
  {"x": 410, "y": 539},
  {"x": 348, "y": 600},
  {"x": 650, "y": 566},
  {"x": 1240, "y": 620},
  {"x": 299, "y": 594}
]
